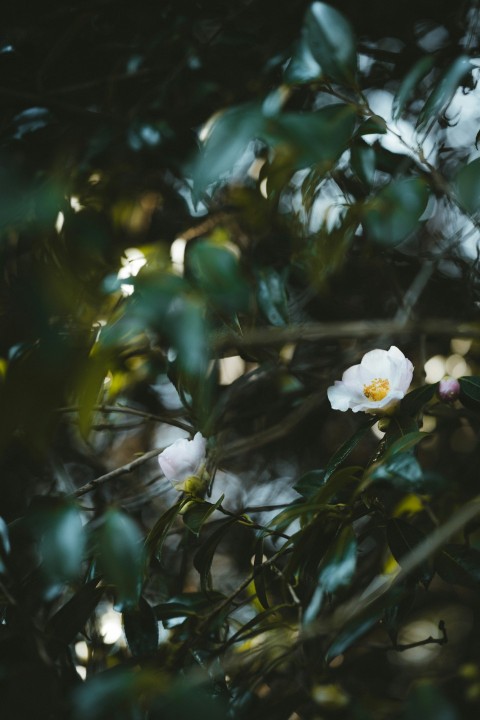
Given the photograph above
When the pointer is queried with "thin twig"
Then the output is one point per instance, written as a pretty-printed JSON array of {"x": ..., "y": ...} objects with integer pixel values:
[
  {"x": 123, "y": 470},
  {"x": 106, "y": 409}
]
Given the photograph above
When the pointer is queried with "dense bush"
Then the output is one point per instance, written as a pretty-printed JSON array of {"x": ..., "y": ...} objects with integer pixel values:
[{"x": 209, "y": 211}]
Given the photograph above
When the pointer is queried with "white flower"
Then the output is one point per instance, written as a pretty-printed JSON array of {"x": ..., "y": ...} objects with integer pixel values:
[
  {"x": 183, "y": 459},
  {"x": 376, "y": 385}
]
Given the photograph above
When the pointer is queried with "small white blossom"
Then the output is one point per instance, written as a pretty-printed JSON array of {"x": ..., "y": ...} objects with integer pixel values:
[
  {"x": 376, "y": 385},
  {"x": 183, "y": 459}
]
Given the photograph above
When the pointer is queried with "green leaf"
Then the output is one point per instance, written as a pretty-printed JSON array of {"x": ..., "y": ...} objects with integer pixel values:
[
  {"x": 352, "y": 632},
  {"x": 467, "y": 186},
  {"x": 72, "y": 617},
  {"x": 60, "y": 537},
  {"x": 470, "y": 387},
  {"x": 272, "y": 296},
  {"x": 402, "y": 471},
  {"x": 203, "y": 558},
  {"x": 336, "y": 570},
  {"x": 395, "y": 212},
  {"x": 302, "y": 68},
  {"x": 4, "y": 545},
  {"x": 414, "y": 401},
  {"x": 363, "y": 159},
  {"x": 406, "y": 442},
  {"x": 313, "y": 138},
  {"x": 187, "y": 604},
  {"x": 156, "y": 536},
  {"x": 259, "y": 574},
  {"x": 421, "y": 68},
  {"x": 120, "y": 554},
  {"x": 198, "y": 512},
  {"x": 344, "y": 451},
  {"x": 310, "y": 483},
  {"x": 140, "y": 625},
  {"x": 225, "y": 144},
  {"x": 402, "y": 538},
  {"x": 373, "y": 125},
  {"x": 427, "y": 701},
  {"x": 90, "y": 388},
  {"x": 331, "y": 41},
  {"x": 441, "y": 97},
  {"x": 459, "y": 565},
  {"x": 215, "y": 270}
]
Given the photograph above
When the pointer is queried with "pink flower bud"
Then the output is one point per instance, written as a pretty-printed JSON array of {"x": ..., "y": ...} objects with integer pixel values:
[{"x": 448, "y": 389}]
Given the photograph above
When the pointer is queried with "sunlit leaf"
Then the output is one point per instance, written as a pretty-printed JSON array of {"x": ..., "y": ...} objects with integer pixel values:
[{"x": 331, "y": 41}]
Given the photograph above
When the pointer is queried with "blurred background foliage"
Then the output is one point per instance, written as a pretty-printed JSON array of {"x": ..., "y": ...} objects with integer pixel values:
[{"x": 208, "y": 210}]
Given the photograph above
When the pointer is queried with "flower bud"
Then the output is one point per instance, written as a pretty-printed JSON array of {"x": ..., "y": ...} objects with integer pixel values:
[{"x": 448, "y": 389}]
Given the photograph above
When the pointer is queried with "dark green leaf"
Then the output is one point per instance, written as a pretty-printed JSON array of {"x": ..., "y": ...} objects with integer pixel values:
[
  {"x": 427, "y": 701},
  {"x": 402, "y": 471},
  {"x": 395, "y": 212},
  {"x": 421, "y": 68},
  {"x": 156, "y": 536},
  {"x": 459, "y": 565},
  {"x": 198, "y": 512},
  {"x": 141, "y": 629},
  {"x": 187, "y": 604},
  {"x": 215, "y": 270},
  {"x": 272, "y": 296},
  {"x": 331, "y": 42},
  {"x": 60, "y": 537},
  {"x": 363, "y": 160},
  {"x": 352, "y": 632},
  {"x": 310, "y": 483},
  {"x": 226, "y": 142},
  {"x": 302, "y": 68},
  {"x": 336, "y": 570},
  {"x": 344, "y": 451},
  {"x": 470, "y": 388},
  {"x": 203, "y": 558},
  {"x": 414, "y": 401},
  {"x": 259, "y": 574},
  {"x": 441, "y": 97},
  {"x": 467, "y": 186},
  {"x": 72, "y": 617},
  {"x": 120, "y": 553},
  {"x": 406, "y": 442},
  {"x": 4, "y": 545},
  {"x": 402, "y": 538},
  {"x": 373, "y": 125}
]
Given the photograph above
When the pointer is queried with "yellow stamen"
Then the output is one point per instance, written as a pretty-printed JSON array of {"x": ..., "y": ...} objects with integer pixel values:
[{"x": 378, "y": 388}]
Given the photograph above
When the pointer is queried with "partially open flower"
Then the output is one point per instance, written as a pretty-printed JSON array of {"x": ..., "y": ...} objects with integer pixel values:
[
  {"x": 183, "y": 460},
  {"x": 376, "y": 385}
]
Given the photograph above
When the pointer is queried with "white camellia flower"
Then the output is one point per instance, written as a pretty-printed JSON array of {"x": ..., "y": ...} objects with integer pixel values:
[
  {"x": 183, "y": 460},
  {"x": 376, "y": 385}
]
